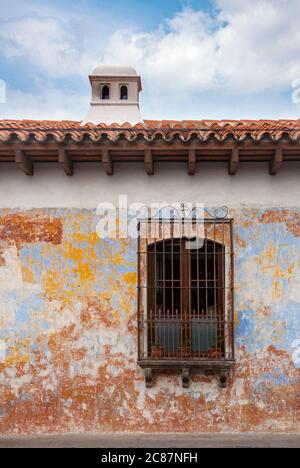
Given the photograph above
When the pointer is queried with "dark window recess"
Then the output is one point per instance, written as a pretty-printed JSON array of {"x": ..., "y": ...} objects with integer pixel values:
[
  {"x": 124, "y": 93},
  {"x": 105, "y": 92},
  {"x": 186, "y": 298}
]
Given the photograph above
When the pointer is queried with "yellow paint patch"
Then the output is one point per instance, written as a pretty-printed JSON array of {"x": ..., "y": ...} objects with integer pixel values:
[
  {"x": 118, "y": 259},
  {"x": 19, "y": 353},
  {"x": 85, "y": 272},
  {"x": 27, "y": 275},
  {"x": 51, "y": 283},
  {"x": 130, "y": 278},
  {"x": 268, "y": 262}
]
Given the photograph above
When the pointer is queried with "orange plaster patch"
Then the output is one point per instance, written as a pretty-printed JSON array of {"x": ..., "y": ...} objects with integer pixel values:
[
  {"x": 291, "y": 220},
  {"x": 265, "y": 311},
  {"x": 2, "y": 259},
  {"x": 22, "y": 229},
  {"x": 98, "y": 309},
  {"x": 78, "y": 354},
  {"x": 240, "y": 242}
]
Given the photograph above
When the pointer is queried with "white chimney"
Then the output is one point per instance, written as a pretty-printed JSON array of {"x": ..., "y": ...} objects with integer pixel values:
[{"x": 115, "y": 96}]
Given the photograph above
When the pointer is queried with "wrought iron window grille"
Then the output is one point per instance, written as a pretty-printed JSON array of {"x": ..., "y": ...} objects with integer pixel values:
[{"x": 186, "y": 293}]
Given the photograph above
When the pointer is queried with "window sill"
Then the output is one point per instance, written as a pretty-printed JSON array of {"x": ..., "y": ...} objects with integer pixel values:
[{"x": 221, "y": 367}]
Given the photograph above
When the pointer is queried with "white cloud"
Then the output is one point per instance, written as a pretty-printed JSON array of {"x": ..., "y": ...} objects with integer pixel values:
[
  {"x": 242, "y": 50},
  {"x": 247, "y": 47},
  {"x": 13, "y": 8},
  {"x": 48, "y": 103},
  {"x": 180, "y": 57},
  {"x": 259, "y": 46},
  {"x": 52, "y": 47},
  {"x": 296, "y": 92},
  {"x": 2, "y": 92}
]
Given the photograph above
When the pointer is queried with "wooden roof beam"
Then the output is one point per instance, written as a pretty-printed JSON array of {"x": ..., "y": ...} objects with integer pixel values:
[
  {"x": 234, "y": 161},
  {"x": 65, "y": 162},
  {"x": 107, "y": 162},
  {"x": 148, "y": 159},
  {"x": 192, "y": 162},
  {"x": 24, "y": 162},
  {"x": 155, "y": 146},
  {"x": 276, "y": 161}
]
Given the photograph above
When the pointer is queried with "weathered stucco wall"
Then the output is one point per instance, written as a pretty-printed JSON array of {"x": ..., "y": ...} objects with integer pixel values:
[
  {"x": 68, "y": 321},
  {"x": 212, "y": 186}
]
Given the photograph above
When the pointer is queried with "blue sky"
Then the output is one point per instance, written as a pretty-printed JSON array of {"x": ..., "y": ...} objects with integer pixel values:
[{"x": 197, "y": 58}]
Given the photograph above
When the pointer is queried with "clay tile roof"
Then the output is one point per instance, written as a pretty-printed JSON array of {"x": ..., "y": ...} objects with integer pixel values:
[{"x": 25, "y": 130}]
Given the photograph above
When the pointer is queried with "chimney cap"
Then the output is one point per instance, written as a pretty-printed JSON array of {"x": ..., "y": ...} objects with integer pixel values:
[{"x": 115, "y": 71}]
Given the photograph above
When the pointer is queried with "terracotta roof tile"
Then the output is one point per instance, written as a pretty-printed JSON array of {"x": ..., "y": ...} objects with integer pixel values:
[{"x": 167, "y": 130}]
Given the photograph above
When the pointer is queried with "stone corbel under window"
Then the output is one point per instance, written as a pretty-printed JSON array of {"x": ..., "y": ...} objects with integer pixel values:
[{"x": 222, "y": 371}]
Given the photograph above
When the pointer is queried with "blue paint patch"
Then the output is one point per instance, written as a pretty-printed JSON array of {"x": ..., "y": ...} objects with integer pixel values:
[
  {"x": 22, "y": 314},
  {"x": 125, "y": 269},
  {"x": 277, "y": 378},
  {"x": 245, "y": 328},
  {"x": 35, "y": 259},
  {"x": 280, "y": 327},
  {"x": 290, "y": 315}
]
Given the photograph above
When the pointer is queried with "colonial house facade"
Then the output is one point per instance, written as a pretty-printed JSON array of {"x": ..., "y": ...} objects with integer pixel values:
[{"x": 149, "y": 271}]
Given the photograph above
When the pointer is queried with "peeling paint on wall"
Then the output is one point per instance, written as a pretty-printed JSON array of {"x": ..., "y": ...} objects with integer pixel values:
[{"x": 68, "y": 326}]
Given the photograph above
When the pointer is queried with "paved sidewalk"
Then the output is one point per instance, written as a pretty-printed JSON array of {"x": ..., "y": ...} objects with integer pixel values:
[{"x": 154, "y": 441}]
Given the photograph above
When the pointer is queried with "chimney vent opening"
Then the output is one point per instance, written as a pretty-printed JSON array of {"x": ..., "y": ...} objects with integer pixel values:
[
  {"x": 124, "y": 93},
  {"x": 105, "y": 92}
]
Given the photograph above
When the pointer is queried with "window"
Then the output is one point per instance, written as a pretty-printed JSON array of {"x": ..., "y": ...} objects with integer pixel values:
[
  {"x": 124, "y": 93},
  {"x": 105, "y": 92},
  {"x": 185, "y": 294}
]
